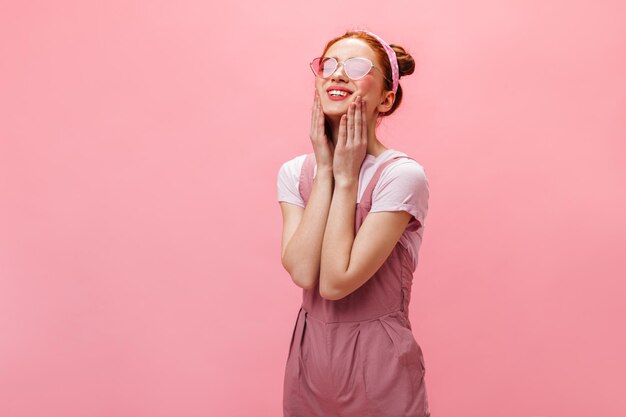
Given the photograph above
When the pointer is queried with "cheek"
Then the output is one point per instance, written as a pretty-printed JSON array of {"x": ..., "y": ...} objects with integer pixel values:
[
  {"x": 366, "y": 86},
  {"x": 367, "y": 89}
]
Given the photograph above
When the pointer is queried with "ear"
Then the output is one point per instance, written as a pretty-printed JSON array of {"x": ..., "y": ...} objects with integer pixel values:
[{"x": 386, "y": 102}]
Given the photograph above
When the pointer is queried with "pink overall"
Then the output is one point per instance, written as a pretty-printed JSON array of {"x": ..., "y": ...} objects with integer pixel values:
[{"x": 357, "y": 357}]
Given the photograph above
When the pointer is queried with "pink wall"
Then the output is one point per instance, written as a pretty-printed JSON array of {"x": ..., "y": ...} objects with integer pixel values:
[{"x": 140, "y": 265}]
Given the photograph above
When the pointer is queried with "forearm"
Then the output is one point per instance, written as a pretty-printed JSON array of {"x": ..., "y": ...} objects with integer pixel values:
[
  {"x": 302, "y": 255},
  {"x": 338, "y": 238}
]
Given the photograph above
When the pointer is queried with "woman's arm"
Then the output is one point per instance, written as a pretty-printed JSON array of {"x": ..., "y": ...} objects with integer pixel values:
[
  {"x": 303, "y": 231},
  {"x": 348, "y": 262}
]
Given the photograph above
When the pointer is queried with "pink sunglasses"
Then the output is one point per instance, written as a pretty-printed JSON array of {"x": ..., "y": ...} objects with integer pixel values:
[{"x": 355, "y": 68}]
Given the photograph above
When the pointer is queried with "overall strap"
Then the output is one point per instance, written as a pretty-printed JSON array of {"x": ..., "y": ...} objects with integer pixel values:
[
  {"x": 366, "y": 198},
  {"x": 305, "y": 183}
]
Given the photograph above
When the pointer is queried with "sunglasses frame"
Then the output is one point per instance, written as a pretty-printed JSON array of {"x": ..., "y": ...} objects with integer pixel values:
[{"x": 337, "y": 63}]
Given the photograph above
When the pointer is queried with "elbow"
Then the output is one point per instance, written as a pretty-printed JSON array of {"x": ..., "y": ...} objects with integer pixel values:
[
  {"x": 302, "y": 277},
  {"x": 304, "y": 281},
  {"x": 330, "y": 296},
  {"x": 307, "y": 285},
  {"x": 329, "y": 291}
]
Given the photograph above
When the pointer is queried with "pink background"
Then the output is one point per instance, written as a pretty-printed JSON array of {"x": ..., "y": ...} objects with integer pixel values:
[{"x": 140, "y": 265}]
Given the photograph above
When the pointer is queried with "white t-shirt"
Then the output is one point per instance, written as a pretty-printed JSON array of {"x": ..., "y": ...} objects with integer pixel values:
[{"x": 402, "y": 186}]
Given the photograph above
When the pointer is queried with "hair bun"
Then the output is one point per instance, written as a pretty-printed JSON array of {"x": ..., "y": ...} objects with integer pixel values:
[{"x": 406, "y": 63}]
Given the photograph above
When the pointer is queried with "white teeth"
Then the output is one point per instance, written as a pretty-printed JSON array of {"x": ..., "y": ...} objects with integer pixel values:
[{"x": 337, "y": 93}]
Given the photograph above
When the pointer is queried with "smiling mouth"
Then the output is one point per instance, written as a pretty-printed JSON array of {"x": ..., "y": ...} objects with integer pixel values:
[{"x": 338, "y": 95}]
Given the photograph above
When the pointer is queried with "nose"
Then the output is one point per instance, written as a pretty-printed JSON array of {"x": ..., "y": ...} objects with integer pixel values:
[{"x": 339, "y": 74}]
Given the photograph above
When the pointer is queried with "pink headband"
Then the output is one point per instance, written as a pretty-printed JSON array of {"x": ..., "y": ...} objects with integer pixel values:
[{"x": 392, "y": 57}]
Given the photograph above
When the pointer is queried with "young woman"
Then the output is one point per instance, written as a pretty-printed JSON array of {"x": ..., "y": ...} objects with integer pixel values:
[{"x": 353, "y": 220}]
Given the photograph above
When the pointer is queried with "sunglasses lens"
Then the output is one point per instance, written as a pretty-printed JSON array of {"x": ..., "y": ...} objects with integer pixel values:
[
  {"x": 323, "y": 67},
  {"x": 357, "y": 67}
]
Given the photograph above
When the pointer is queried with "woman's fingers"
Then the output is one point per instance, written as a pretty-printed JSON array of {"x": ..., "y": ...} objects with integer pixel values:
[
  {"x": 320, "y": 117},
  {"x": 314, "y": 115},
  {"x": 357, "y": 122},
  {"x": 350, "y": 122},
  {"x": 363, "y": 123},
  {"x": 341, "y": 140},
  {"x": 317, "y": 117}
]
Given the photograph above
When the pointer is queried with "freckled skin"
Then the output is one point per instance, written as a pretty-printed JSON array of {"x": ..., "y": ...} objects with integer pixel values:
[{"x": 371, "y": 88}]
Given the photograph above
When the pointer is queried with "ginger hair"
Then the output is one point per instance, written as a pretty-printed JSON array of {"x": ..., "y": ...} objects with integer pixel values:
[{"x": 406, "y": 63}]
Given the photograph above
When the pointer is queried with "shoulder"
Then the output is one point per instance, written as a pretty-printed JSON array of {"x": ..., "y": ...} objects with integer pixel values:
[
  {"x": 292, "y": 167},
  {"x": 402, "y": 185},
  {"x": 288, "y": 180},
  {"x": 405, "y": 170}
]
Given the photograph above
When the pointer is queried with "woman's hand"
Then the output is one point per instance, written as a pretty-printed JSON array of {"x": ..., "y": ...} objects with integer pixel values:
[
  {"x": 322, "y": 146},
  {"x": 351, "y": 143}
]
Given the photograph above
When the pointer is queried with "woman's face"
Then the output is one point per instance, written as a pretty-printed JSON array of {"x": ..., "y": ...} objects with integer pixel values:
[{"x": 370, "y": 87}]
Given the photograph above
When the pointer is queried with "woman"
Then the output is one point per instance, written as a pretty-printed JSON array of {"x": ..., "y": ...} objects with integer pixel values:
[{"x": 353, "y": 219}]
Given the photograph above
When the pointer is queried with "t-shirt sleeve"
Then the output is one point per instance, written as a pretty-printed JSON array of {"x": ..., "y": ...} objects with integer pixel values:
[
  {"x": 288, "y": 181},
  {"x": 402, "y": 186}
]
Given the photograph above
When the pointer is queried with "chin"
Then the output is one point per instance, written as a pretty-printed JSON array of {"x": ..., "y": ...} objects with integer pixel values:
[
  {"x": 335, "y": 114},
  {"x": 336, "y": 109}
]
